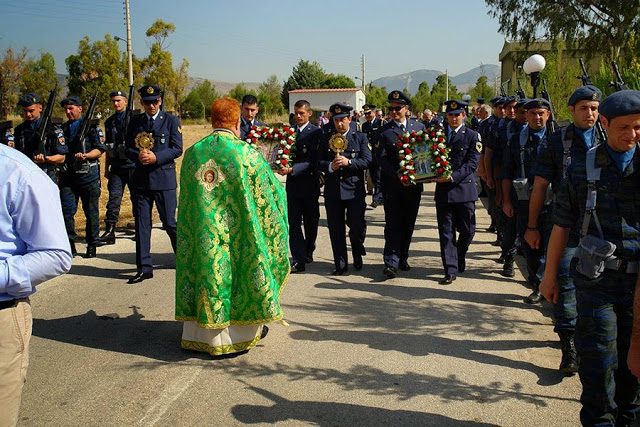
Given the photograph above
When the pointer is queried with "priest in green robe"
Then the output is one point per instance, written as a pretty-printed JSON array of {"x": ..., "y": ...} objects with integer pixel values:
[{"x": 232, "y": 240}]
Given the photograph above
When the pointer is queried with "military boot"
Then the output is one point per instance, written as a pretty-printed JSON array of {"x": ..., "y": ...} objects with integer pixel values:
[
  {"x": 74, "y": 252},
  {"x": 569, "y": 363},
  {"x": 91, "y": 251},
  {"x": 535, "y": 296},
  {"x": 109, "y": 235},
  {"x": 507, "y": 268}
]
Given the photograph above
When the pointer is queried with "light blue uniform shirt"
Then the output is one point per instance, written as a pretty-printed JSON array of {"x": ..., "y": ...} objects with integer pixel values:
[{"x": 33, "y": 241}]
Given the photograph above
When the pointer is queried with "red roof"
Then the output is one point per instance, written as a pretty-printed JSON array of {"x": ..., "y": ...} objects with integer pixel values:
[{"x": 344, "y": 89}]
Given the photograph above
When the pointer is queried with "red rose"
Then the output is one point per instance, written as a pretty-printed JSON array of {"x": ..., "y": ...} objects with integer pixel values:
[
  {"x": 264, "y": 129},
  {"x": 286, "y": 151},
  {"x": 406, "y": 139},
  {"x": 442, "y": 150},
  {"x": 284, "y": 162},
  {"x": 413, "y": 134},
  {"x": 445, "y": 163},
  {"x": 400, "y": 137},
  {"x": 410, "y": 162},
  {"x": 253, "y": 128},
  {"x": 405, "y": 178},
  {"x": 440, "y": 171},
  {"x": 432, "y": 134},
  {"x": 254, "y": 140},
  {"x": 400, "y": 144},
  {"x": 435, "y": 147},
  {"x": 440, "y": 139},
  {"x": 438, "y": 159},
  {"x": 407, "y": 151}
]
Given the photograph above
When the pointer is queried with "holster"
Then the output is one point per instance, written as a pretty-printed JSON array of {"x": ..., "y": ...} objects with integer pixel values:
[{"x": 521, "y": 186}]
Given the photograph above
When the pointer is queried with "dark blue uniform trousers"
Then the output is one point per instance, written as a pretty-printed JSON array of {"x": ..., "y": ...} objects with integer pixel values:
[
  {"x": 610, "y": 393},
  {"x": 118, "y": 178},
  {"x": 165, "y": 201},
  {"x": 307, "y": 210},
  {"x": 455, "y": 218},
  {"x": 400, "y": 213},
  {"x": 355, "y": 209},
  {"x": 89, "y": 194}
]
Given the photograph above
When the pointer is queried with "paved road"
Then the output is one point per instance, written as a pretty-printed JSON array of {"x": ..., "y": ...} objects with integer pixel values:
[{"x": 358, "y": 351}]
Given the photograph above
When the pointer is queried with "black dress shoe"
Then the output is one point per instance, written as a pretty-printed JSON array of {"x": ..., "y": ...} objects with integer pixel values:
[
  {"x": 357, "y": 262},
  {"x": 265, "y": 331},
  {"x": 308, "y": 259},
  {"x": 296, "y": 267},
  {"x": 462, "y": 265},
  {"x": 91, "y": 251},
  {"x": 389, "y": 272},
  {"x": 139, "y": 277},
  {"x": 448, "y": 279},
  {"x": 339, "y": 271},
  {"x": 404, "y": 265}
]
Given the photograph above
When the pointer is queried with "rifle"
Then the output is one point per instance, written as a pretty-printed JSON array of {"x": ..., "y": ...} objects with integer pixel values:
[
  {"x": 503, "y": 92},
  {"x": 45, "y": 124},
  {"x": 85, "y": 126},
  {"x": 520, "y": 91},
  {"x": 129, "y": 113},
  {"x": 586, "y": 80},
  {"x": 551, "y": 123},
  {"x": 619, "y": 84}
]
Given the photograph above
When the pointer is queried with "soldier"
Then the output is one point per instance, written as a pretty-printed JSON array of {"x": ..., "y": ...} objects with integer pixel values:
[
  {"x": 456, "y": 195},
  {"x": 118, "y": 168},
  {"x": 344, "y": 155},
  {"x": 517, "y": 180},
  {"x": 371, "y": 127},
  {"x": 401, "y": 201},
  {"x": 600, "y": 198},
  {"x": 81, "y": 176},
  {"x": 303, "y": 189},
  {"x": 563, "y": 147},
  {"x": 27, "y": 141},
  {"x": 153, "y": 141},
  {"x": 490, "y": 162},
  {"x": 249, "y": 110}
]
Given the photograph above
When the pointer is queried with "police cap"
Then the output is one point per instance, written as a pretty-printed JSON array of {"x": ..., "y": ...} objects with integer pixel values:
[
  {"x": 118, "y": 93},
  {"x": 455, "y": 106},
  {"x": 71, "y": 100},
  {"x": 537, "y": 103},
  {"x": 585, "y": 93},
  {"x": 399, "y": 97},
  {"x": 29, "y": 99},
  {"x": 621, "y": 103},
  {"x": 480, "y": 101},
  {"x": 368, "y": 107},
  {"x": 496, "y": 100},
  {"x": 511, "y": 98},
  {"x": 150, "y": 92},
  {"x": 340, "y": 110},
  {"x": 521, "y": 102}
]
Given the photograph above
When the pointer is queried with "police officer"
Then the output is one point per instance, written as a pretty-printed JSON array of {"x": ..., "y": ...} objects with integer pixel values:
[
  {"x": 489, "y": 161},
  {"x": 401, "y": 200},
  {"x": 154, "y": 141},
  {"x": 517, "y": 180},
  {"x": 456, "y": 195},
  {"x": 54, "y": 150},
  {"x": 6, "y": 137},
  {"x": 303, "y": 188},
  {"x": 118, "y": 168},
  {"x": 561, "y": 149},
  {"x": 81, "y": 176},
  {"x": 609, "y": 180},
  {"x": 248, "y": 112},
  {"x": 371, "y": 127},
  {"x": 344, "y": 155}
]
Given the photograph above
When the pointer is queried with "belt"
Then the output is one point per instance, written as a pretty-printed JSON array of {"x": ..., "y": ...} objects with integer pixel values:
[
  {"x": 7, "y": 304},
  {"x": 629, "y": 267}
]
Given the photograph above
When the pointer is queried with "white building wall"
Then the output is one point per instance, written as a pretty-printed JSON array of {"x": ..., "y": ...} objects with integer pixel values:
[{"x": 321, "y": 101}]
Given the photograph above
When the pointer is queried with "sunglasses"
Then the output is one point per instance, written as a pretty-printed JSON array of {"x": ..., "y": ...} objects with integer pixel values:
[
  {"x": 155, "y": 101},
  {"x": 368, "y": 112},
  {"x": 395, "y": 108}
]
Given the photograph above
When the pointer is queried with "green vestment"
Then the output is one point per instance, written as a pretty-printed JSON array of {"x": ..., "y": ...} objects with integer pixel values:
[{"x": 232, "y": 239}]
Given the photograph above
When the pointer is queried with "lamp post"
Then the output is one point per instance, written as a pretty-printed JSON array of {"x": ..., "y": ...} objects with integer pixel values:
[{"x": 533, "y": 66}]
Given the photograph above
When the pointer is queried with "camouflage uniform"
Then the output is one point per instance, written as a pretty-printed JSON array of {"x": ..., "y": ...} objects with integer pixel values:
[
  {"x": 28, "y": 145},
  {"x": 610, "y": 394},
  {"x": 120, "y": 166}
]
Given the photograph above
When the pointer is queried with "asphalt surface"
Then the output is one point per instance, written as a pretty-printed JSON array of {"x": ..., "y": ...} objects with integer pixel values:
[{"x": 358, "y": 351}]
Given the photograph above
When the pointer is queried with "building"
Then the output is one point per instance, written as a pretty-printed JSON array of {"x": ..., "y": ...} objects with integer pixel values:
[{"x": 322, "y": 99}]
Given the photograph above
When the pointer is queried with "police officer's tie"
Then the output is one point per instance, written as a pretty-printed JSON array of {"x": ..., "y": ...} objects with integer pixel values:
[
  {"x": 402, "y": 127},
  {"x": 150, "y": 124}
]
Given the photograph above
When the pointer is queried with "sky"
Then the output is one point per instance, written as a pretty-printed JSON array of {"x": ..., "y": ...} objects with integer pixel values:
[{"x": 250, "y": 40}]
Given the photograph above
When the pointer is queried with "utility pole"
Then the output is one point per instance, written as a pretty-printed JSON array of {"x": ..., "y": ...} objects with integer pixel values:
[
  {"x": 446, "y": 73},
  {"x": 364, "y": 85},
  {"x": 129, "y": 54}
]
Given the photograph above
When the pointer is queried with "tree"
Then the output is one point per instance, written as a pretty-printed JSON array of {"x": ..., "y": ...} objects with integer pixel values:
[
  {"x": 439, "y": 92},
  {"x": 604, "y": 26},
  {"x": 97, "y": 67},
  {"x": 378, "y": 96},
  {"x": 12, "y": 71},
  {"x": 41, "y": 76},
  {"x": 160, "y": 30},
  {"x": 481, "y": 89},
  {"x": 239, "y": 91},
  {"x": 197, "y": 104},
  {"x": 269, "y": 99},
  {"x": 332, "y": 81},
  {"x": 422, "y": 99},
  {"x": 306, "y": 75}
]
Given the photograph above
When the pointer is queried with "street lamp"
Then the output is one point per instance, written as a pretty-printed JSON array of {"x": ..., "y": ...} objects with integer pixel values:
[
  {"x": 466, "y": 97},
  {"x": 533, "y": 66}
]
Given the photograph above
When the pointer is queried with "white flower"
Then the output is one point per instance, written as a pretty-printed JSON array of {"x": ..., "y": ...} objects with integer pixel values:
[
  {"x": 402, "y": 163},
  {"x": 280, "y": 151},
  {"x": 408, "y": 157},
  {"x": 441, "y": 145},
  {"x": 405, "y": 145}
]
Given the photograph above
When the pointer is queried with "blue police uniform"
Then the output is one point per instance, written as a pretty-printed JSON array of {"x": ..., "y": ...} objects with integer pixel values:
[
  {"x": 156, "y": 182},
  {"x": 303, "y": 192},
  {"x": 245, "y": 127},
  {"x": 455, "y": 200},
  {"x": 81, "y": 180},
  {"x": 344, "y": 190},
  {"x": 120, "y": 170},
  {"x": 401, "y": 203},
  {"x": 371, "y": 128},
  {"x": 27, "y": 143}
]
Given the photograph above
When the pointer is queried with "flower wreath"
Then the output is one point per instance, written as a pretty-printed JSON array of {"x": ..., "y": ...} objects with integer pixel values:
[
  {"x": 438, "y": 152},
  {"x": 285, "y": 137}
]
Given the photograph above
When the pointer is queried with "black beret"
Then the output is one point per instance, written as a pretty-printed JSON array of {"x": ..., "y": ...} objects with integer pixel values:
[
  {"x": 340, "y": 110},
  {"x": 150, "y": 92},
  {"x": 118, "y": 93},
  {"x": 621, "y": 103},
  {"x": 511, "y": 98},
  {"x": 521, "y": 102},
  {"x": 71, "y": 100},
  {"x": 455, "y": 106},
  {"x": 27, "y": 100},
  {"x": 399, "y": 97},
  {"x": 588, "y": 93},
  {"x": 537, "y": 103},
  {"x": 496, "y": 100}
]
